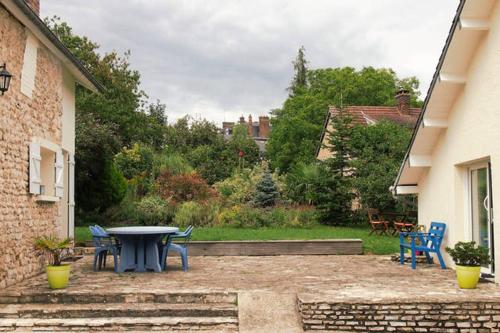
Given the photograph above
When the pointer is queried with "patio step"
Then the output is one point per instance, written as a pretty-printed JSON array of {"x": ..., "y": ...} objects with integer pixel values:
[
  {"x": 47, "y": 311},
  {"x": 102, "y": 297},
  {"x": 103, "y": 324}
]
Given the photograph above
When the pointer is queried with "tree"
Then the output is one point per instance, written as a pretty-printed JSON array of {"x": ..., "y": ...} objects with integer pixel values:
[
  {"x": 335, "y": 202},
  {"x": 266, "y": 192},
  {"x": 299, "y": 81},
  {"x": 298, "y": 124},
  {"x": 378, "y": 150},
  {"x": 241, "y": 141}
]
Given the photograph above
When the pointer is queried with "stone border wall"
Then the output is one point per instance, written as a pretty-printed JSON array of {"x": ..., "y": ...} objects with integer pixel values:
[
  {"x": 470, "y": 317},
  {"x": 266, "y": 248}
]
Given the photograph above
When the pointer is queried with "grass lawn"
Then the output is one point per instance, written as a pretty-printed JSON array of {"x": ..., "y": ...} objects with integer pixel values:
[{"x": 371, "y": 244}]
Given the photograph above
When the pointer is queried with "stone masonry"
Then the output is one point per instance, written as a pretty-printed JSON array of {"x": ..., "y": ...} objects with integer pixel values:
[
  {"x": 471, "y": 317},
  {"x": 22, "y": 219}
]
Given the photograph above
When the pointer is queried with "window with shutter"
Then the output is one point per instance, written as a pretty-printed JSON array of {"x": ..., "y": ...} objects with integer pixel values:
[
  {"x": 35, "y": 177},
  {"x": 29, "y": 65}
]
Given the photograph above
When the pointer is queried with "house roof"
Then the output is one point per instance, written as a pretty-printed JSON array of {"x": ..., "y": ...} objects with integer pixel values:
[
  {"x": 20, "y": 10},
  {"x": 365, "y": 115},
  {"x": 469, "y": 25}
]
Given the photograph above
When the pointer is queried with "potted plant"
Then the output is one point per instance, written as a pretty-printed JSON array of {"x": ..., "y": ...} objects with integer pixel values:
[
  {"x": 57, "y": 273},
  {"x": 469, "y": 258}
]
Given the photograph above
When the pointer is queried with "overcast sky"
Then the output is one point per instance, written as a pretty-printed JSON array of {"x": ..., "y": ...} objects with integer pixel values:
[{"x": 219, "y": 59}]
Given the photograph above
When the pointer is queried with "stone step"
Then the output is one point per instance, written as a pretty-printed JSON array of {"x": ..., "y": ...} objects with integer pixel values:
[
  {"x": 101, "y": 324},
  {"x": 118, "y": 310},
  {"x": 103, "y": 297}
]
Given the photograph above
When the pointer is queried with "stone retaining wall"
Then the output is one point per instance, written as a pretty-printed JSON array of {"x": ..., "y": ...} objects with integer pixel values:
[{"x": 471, "y": 317}]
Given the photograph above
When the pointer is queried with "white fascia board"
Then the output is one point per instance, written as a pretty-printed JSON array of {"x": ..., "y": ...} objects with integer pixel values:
[
  {"x": 420, "y": 161},
  {"x": 406, "y": 189}
]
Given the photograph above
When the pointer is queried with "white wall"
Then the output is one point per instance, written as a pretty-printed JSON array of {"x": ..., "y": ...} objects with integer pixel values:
[
  {"x": 68, "y": 116},
  {"x": 473, "y": 134}
]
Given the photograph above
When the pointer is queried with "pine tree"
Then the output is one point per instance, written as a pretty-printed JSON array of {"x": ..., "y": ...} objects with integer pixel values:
[
  {"x": 299, "y": 81},
  {"x": 266, "y": 192},
  {"x": 336, "y": 202}
]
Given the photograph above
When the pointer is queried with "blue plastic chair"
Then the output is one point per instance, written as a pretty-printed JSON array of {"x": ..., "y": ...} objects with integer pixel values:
[
  {"x": 180, "y": 248},
  {"x": 430, "y": 242},
  {"x": 103, "y": 244}
]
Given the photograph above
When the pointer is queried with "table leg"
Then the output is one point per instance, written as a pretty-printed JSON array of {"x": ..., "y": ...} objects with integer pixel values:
[
  {"x": 152, "y": 253},
  {"x": 140, "y": 254},
  {"x": 127, "y": 254}
]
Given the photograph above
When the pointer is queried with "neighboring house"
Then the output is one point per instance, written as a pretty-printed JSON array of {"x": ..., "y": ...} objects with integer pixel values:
[
  {"x": 37, "y": 138},
  {"x": 259, "y": 131},
  {"x": 401, "y": 114},
  {"x": 453, "y": 162}
]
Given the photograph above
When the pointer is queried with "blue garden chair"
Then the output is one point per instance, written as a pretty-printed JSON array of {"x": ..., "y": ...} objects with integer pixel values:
[
  {"x": 181, "y": 248},
  {"x": 427, "y": 242},
  {"x": 103, "y": 244}
]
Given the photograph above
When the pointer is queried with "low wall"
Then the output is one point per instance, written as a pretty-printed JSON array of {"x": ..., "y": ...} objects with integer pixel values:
[
  {"x": 418, "y": 316},
  {"x": 267, "y": 248}
]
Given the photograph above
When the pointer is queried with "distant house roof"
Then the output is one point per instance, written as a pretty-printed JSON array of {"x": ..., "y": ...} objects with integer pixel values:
[
  {"x": 23, "y": 12},
  {"x": 367, "y": 115}
]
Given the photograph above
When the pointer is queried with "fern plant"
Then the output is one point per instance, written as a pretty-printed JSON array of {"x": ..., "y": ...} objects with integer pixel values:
[{"x": 54, "y": 246}]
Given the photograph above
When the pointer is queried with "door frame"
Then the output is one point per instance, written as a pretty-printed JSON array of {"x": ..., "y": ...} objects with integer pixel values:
[{"x": 486, "y": 164}]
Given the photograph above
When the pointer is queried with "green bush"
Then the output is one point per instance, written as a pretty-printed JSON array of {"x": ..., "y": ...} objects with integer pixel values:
[
  {"x": 249, "y": 217},
  {"x": 266, "y": 192},
  {"x": 171, "y": 162},
  {"x": 153, "y": 210},
  {"x": 469, "y": 254},
  {"x": 137, "y": 160},
  {"x": 197, "y": 214}
]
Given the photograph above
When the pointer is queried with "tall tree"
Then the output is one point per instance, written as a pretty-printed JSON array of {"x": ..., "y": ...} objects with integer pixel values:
[
  {"x": 299, "y": 81},
  {"x": 336, "y": 199},
  {"x": 298, "y": 124}
]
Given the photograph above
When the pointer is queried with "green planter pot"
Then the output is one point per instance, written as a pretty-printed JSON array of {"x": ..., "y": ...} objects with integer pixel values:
[
  {"x": 58, "y": 276},
  {"x": 468, "y": 276}
]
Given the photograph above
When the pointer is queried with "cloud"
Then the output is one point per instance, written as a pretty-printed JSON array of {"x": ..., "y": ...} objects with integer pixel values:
[{"x": 219, "y": 59}]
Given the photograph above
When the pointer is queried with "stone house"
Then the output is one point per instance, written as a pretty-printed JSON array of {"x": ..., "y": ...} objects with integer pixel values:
[
  {"x": 37, "y": 137},
  {"x": 258, "y": 130},
  {"x": 453, "y": 162},
  {"x": 401, "y": 114}
]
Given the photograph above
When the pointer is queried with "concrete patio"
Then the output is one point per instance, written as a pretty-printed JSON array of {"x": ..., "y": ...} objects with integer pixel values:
[{"x": 286, "y": 293}]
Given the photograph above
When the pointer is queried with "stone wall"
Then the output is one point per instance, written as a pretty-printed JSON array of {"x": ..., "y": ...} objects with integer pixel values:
[
  {"x": 22, "y": 219},
  {"x": 471, "y": 317}
]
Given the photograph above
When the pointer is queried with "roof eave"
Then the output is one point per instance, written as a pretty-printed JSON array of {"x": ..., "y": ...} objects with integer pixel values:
[{"x": 32, "y": 21}]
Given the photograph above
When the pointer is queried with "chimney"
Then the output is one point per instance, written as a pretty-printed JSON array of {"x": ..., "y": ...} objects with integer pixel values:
[
  {"x": 34, "y": 5},
  {"x": 403, "y": 101},
  {"x": 264, "y": 127},
  {"x": 250, "y": 125}
]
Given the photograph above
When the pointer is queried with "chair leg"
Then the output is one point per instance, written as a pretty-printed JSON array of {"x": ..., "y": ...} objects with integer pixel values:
[
  {"x": 164, "y": 258},
  {"x": 428, "y": 257},
  {"x": 401, "y": 255},
  {"x": 413, "y": 259},
  {"x": 105, "y": 255},
  {"x": 94, "y": 266},
  {"x": 115, "y": 261},
  {"x": 441, "y": 261},
  {"x": 184, "y": 260},
  {"x": 100, "y": 261}
]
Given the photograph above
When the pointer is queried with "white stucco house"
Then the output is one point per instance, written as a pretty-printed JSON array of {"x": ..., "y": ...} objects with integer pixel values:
[{"x": 453, "y": 161}]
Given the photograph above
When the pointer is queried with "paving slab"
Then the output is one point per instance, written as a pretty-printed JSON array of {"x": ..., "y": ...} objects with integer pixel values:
[{"x": 268, "y": 312}]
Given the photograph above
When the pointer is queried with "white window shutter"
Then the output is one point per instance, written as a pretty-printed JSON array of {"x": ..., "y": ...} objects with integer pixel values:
[
  {"x": 35, "y": 158},
  {"x": 71, "y": 194},
  {"x": 28, "y": 71},
  {"x": 59, "y": 173}
]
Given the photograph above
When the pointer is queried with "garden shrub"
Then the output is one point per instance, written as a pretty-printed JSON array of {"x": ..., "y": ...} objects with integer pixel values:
[
  {"x": 171, "y": 162},
  {"x": 197, "y": 214},
  {"x": 136, "y": 160},
  {"x": 153, "y": 210},
  {"x": 183, "y": 187},
  {"x": 266, "y": 193},
  {"x": 277, "y": 217}
]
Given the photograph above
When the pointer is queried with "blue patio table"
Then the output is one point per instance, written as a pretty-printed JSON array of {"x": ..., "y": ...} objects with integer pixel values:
[{"x": 139, "y": 250}]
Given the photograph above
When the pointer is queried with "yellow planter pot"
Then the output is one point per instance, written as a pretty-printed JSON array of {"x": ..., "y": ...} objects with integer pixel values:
[
  {"x": 58, "y": 276},
  {"x": 468, "y": 276}
]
